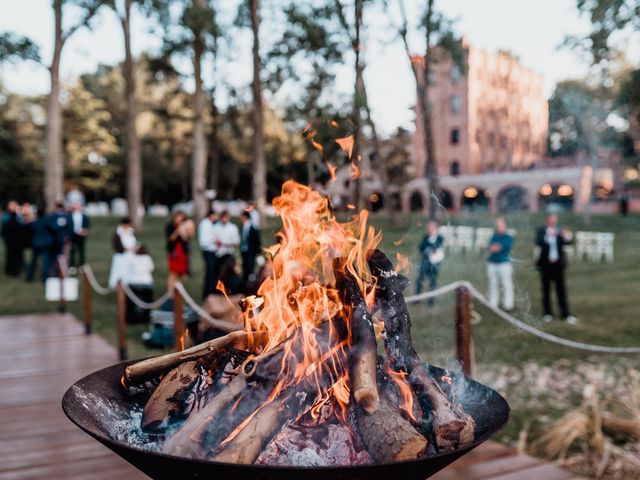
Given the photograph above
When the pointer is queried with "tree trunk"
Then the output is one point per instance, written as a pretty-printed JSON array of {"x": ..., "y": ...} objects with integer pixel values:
[
  {"x": 431, "y": 164},
  {"x": 199, "y": 155},
  {"x": 259, "y": 161},
  {"x": 54, "y": 162},
  {"x": 134, "y": 160},
  {"x": 214, "y": 150},
  {"x": 357, "y": 104}
]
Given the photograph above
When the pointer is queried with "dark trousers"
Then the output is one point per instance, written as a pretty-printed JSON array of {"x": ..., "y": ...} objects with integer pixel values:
[
  {"x": 77, "y": 251},
  {"x": 554, "y": 273},
  {"x": 248, "y": 268},
  {"x": 14, "y": 259},
  {"x": 427, "y": 271},
  {"x": 210, "y": 273},
  {"x": 39, "y": 253}
]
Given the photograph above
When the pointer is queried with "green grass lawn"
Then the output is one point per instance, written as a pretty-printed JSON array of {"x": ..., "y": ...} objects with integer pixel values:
[{"x": 603, "y": 296}]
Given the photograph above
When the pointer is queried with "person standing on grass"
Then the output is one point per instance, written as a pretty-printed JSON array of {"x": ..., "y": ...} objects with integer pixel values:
[
  {"x": 11, "y": 236},
  {"x": 80, "y": 225},
  {"x": 207, "y": 242},
  {"x": 41, "y": 241},
  {"x": 61, "y": 227},
  {"x": 124, "y": 245},
  {"x": 249, "y": 248},
  {"x": 178, "y": 233},
  {"x": 552, "y": 263},
  {"x": 227, "y": 239},
  {"x": 499, "y": 266},
  {"x": 431, "y": 255}
]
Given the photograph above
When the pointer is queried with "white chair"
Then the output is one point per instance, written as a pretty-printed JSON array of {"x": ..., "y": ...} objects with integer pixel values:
[
  {"x": 604, "y": 246},
  {"x": 482, "y": 237},
  {"x": 464, "y": 238},
  {"x": 585, "y": 245},
  {"x": 448, "y": 235}
]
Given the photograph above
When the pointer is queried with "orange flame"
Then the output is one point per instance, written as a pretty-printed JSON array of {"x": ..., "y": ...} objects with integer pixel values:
[
  {"x": 299, "y": 295},
  {"x": 332, "y": 171},
  {"x": 417, "y": 60},
  {"x": 405, "y": 391},
  {"x": 346, "y": 144},
  {"x": 403, "y": 263}
]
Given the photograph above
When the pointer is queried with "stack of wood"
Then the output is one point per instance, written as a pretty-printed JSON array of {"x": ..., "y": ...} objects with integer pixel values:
[{"x": 231, "y": 400}]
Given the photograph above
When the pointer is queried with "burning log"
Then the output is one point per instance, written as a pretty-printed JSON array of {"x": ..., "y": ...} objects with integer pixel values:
[
  {"x": 362, "y": 354},
  {"x": 199, "y": 435},
  {"x": 151, "y": 368},
  {"x": 451, "y": 427},
  {"x": 176, "y": 395},
  {"x": 388, "y": 436},
  {"x": 246, "y": 446}
]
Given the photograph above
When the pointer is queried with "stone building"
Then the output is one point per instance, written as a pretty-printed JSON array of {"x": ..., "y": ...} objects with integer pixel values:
[{"x": 491, "y": 117}]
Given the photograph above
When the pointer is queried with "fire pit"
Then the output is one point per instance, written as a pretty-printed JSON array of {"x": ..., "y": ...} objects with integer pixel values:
[
  {"x": 98, "y": 403},
  {"x": 303, "y": 390}
]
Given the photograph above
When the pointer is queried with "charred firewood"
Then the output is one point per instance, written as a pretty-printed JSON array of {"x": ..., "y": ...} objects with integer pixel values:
[
  {"x": 362, "y": 354},
  {"x": 152, "y": 368},
  {"x": 450, "y": 426},
  {"x": 176, "y": 396},
  {"x": 388, "y": 436}
]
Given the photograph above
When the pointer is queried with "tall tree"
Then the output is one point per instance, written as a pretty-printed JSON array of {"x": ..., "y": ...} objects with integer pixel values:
[
  {"x": 259, "y": 182},
  {"x": 123, "y": 11},
  {"x": 54, "y": 160},
  {"x": 440, "y": 42},
  {"x": 606, "y": 17},
  {"x": 192, "y": 31},
  {"x": 359, "y": 94}
]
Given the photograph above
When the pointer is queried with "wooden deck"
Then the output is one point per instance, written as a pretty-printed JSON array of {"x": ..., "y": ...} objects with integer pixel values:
[{"x": 41, "y": 356}]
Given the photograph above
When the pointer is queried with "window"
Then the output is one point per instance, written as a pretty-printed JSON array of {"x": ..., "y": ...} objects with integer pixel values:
[
  {"x": 455, "y": 136},
  {"x": 456, "y": 73},
  {"x": 456, "y": 104},
  {"x": 454, "y": 168}
]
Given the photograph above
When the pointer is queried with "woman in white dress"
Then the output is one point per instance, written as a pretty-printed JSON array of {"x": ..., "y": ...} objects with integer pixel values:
[{"x": 124, "y": 246}]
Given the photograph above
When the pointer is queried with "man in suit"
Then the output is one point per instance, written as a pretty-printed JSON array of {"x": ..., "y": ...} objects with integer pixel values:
[
  {"x": 41, "y": 242},
  {"x": 249, "y": 247},
  {"x": 431, "y": 254},
  {"x": 552, "y": 262},
  {"x": 80, "y": 231},
  {"x": 60, "y": 225}
]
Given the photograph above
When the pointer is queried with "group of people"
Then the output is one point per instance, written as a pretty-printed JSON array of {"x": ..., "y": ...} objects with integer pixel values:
[
  {"x": 56, "y": 239},
  {"x": 551, "y": 263}
]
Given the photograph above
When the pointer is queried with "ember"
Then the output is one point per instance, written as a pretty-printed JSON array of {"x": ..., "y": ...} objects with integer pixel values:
[{"x": 303, "y": 383}]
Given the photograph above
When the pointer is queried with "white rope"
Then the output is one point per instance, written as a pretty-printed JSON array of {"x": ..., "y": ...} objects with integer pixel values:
[
  {"x": 99, "y": 289},
  {"x": 141, "y": 303},
  {"x": 216, "y": 322},
  {"x": 434, "y": 293},
  {"x": 518, "y": 323}
]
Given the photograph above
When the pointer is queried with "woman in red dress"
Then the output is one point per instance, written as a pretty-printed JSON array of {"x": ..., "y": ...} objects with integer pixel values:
[{"x": 178, "y": 232}]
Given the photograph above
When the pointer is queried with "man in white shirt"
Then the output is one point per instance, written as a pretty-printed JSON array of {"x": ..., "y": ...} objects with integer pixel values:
[
  {"x": 207, "y": 242},
  {"x": 227, "y": 236}
]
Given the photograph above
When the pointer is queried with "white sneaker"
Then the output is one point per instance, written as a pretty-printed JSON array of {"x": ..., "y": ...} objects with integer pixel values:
[
  {"x": 547, "y": 318},
  {"x": 571, "y": 320}
]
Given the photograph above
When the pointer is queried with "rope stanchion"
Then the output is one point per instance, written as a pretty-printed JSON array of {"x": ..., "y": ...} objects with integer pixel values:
[
  {"x": 122, "y": 321},
  {"x": 215, "y": 322},
  {"x": 178, "y": 323},
  {"x": 86, "y": 302},
  {"x": 146, "y": 305},
  {"x": 99, "y": 289},
  {"x": 519, "y": 323}
]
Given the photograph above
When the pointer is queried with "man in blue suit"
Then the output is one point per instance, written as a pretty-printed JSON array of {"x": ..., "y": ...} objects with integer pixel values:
[{"x": 80, "y": 230}]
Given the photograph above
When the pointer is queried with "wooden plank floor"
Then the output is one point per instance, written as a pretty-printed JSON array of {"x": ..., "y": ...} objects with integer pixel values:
[{"x": 42, "y": 355}]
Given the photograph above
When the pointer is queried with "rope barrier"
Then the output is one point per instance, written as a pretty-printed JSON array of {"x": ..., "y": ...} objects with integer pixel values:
[
  {"x": 99, "y": 289},
  {"x": 230, "y": 326},
  {"x": 216, "y": 322},
  {"x": 141, "y": 303},
  {"x": 519, "y": 323}
]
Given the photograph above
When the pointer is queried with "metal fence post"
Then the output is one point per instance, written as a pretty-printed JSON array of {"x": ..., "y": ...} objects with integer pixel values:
[
  {"x": 122, "y": 321},
  {"x": 463, "y": 330}
]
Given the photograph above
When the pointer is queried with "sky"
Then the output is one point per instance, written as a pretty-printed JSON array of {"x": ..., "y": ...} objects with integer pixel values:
[{"x": 533, "y": 30}]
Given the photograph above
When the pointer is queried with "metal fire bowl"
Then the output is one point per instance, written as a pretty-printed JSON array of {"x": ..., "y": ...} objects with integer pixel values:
[{"x": 98, "y": 399}]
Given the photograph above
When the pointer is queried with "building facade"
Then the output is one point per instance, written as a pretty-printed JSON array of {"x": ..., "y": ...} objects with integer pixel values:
[{"x": 490, "y": 117}]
